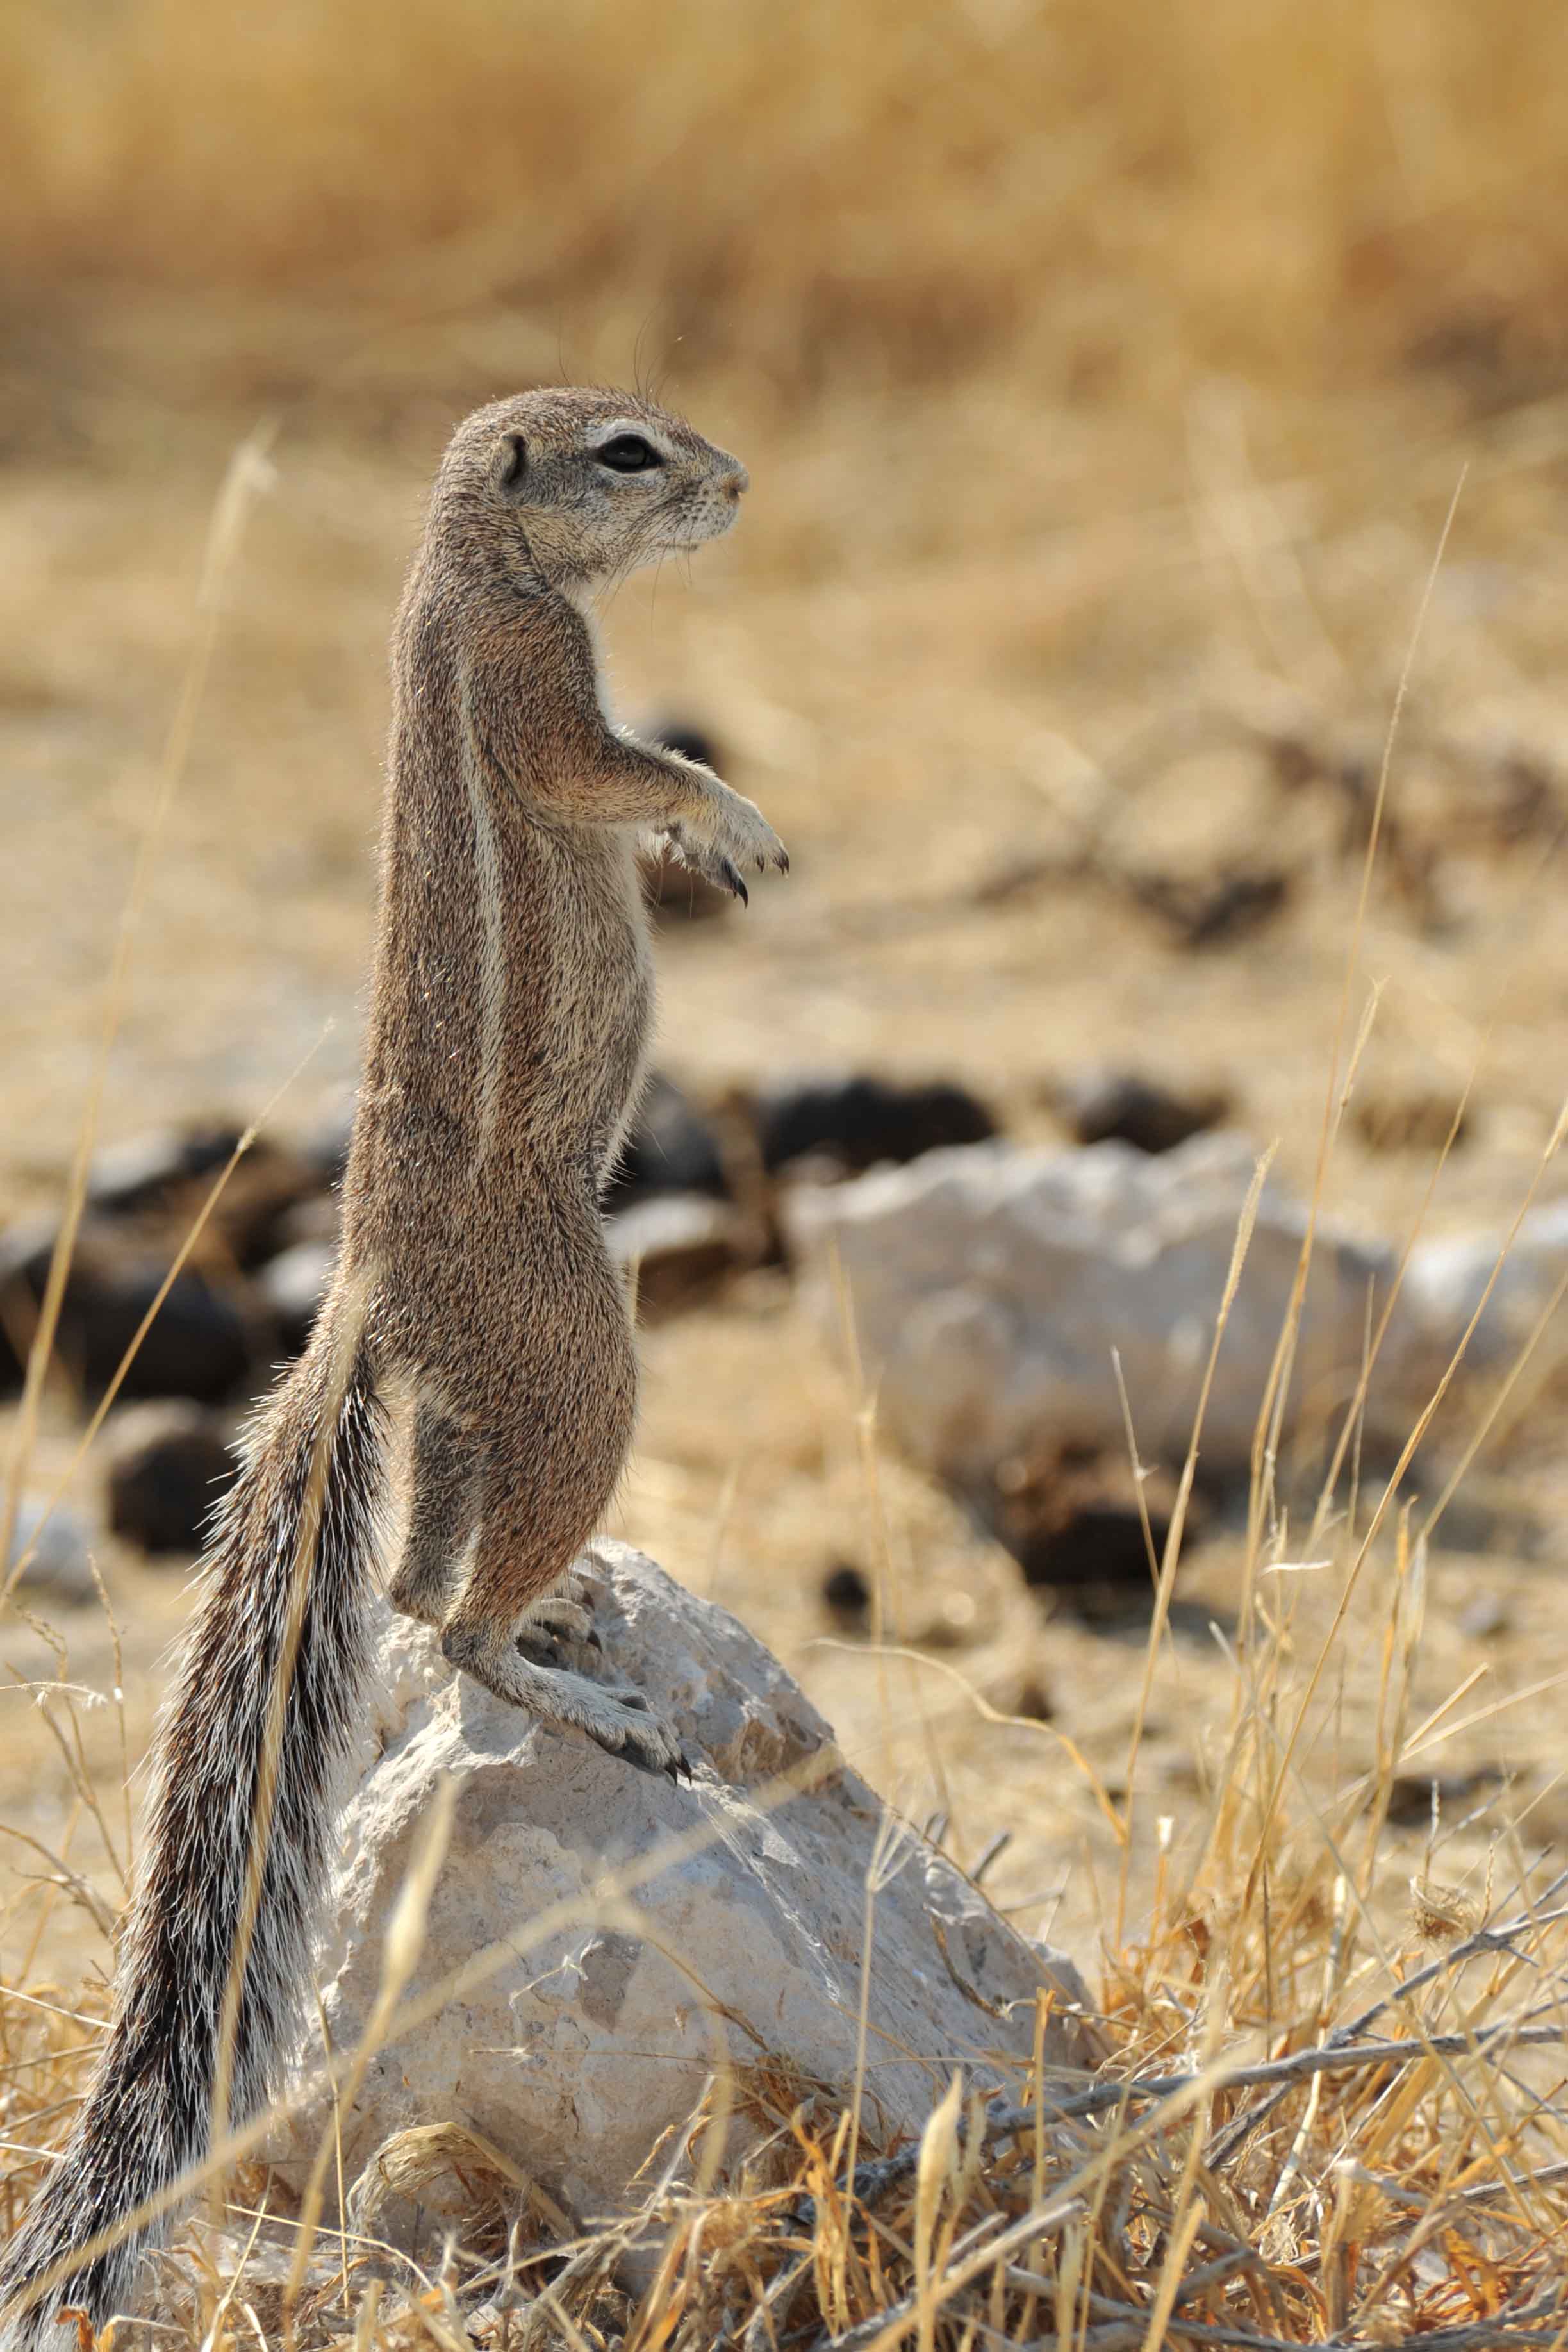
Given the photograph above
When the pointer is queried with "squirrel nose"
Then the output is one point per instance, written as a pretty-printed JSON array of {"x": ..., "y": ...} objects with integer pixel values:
[{"x": 736, "y": 480}]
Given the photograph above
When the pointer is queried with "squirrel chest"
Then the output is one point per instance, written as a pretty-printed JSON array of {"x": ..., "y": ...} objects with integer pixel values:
[{"x": 526, "y": 978}]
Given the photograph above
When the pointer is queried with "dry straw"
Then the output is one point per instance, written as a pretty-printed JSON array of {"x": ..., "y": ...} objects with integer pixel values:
[{"x": 883, "y": 191}]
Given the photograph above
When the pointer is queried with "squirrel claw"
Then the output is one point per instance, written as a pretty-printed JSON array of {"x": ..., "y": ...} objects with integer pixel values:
[{"x": 674, "y": 1768}]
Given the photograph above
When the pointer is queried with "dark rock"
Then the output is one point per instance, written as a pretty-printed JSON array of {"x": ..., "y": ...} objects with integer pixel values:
[
  {"x": 1295, "y": 760},
  {"x": 859, "y": 1122},
  {"x": 199, "y": 1344},
  {"x": 687, "y": 740},
  {"x": 1034, "y": 1701},
  {"x": 1071, "y": 1519},
  {"x": 1096, "y": 1543},
  {"x": 1218, "y": 911},
  {"x": 247, "y": 1222},
  {"x": 846, "y": 1594},
  {"x": 1412, "y": 1123},
  {"x": 139, "y": 1173},
  {"x": 294, "y": 1284},
  {"x": 1414, "y": 1797},
  {"x": 1530, "y": 799},
  {"x": 684, "y": 1247},
  {"x": 671, "y": 1148},
  {"x": 325, "y": 1149},
  {"x": 168, "y": 1466},
  {"x": 202, "y": 1343},
  {"x": 1116, "y": 1106},
  {"x": 162, "y": 1184}
]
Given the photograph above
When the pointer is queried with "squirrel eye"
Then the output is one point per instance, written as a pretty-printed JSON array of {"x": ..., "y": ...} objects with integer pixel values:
[{"x": 629, "y": 454}]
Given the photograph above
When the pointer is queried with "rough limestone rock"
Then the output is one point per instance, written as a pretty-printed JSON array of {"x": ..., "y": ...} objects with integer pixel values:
[
  {"x": 578, "y": 2056},
  {"x": 991, "y": 1285}
]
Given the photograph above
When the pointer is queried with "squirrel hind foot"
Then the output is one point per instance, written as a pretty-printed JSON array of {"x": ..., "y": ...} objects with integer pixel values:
[{"x": 518, "y": 1667}]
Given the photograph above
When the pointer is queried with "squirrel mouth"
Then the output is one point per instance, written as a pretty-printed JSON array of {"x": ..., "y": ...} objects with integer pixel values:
[{"x": 711, "y": 521}]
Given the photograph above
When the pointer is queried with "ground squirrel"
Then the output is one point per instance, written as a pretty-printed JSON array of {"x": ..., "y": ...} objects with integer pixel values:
[{"x": 474, "y": 1306}]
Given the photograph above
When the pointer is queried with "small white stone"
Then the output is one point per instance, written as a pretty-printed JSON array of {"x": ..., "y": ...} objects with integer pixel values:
[{"x": 991, "y": 1285}]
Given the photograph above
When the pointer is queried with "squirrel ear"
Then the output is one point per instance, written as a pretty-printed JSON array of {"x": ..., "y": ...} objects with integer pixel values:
[{"x": 513, "y": 463}]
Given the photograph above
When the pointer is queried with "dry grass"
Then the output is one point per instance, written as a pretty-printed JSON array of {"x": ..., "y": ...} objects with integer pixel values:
[{"x": 1123, "y": 193}]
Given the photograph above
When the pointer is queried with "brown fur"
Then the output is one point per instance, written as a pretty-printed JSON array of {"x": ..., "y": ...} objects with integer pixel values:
[{"x": 508, "y": 1023}]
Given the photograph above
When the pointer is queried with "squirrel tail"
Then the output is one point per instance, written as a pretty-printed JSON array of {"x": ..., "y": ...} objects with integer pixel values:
[{"x": 235, "y": 1852}]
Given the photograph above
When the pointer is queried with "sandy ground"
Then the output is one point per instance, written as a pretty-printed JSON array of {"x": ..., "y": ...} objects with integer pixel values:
[{"x": 953, "y": 642}]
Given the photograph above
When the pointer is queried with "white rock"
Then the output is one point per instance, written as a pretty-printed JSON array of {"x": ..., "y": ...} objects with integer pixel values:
[
  {"x": 1446, "y": 1282},
  {"x": 581, "y": 2051},
  {"x": 991, "y": 1284}
]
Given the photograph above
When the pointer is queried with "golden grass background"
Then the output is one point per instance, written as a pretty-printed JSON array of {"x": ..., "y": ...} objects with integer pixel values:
[
  {"x": 1116, "y": 190},
  {"x": 1105, "y": 373}
]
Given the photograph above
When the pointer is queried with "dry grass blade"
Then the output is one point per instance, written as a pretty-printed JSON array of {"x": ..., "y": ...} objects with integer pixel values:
[{"x": 1165, "y": 1582}]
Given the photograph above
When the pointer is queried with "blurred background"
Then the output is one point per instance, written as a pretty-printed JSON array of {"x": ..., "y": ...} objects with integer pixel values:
[{"x": 1106, "y": 373}]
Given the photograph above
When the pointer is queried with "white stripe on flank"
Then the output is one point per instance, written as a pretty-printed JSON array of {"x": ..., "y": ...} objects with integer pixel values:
[{"x": 492, "y": 953}]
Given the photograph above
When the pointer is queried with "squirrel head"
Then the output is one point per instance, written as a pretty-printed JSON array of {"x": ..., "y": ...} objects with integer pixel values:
[{"x": 580, "y": 486}]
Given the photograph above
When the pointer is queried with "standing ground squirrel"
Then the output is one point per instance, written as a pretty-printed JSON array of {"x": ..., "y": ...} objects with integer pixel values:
[{"x": 474, "y": 1303}]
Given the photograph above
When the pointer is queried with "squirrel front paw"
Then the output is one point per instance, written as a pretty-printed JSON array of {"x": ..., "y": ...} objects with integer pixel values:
[
  {"x": 735, "y": 829},
  {"x": 719, "y": 839}
]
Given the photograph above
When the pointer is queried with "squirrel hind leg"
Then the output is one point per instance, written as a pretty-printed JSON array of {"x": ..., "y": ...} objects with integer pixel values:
[{"x": 445, "y": 1475}]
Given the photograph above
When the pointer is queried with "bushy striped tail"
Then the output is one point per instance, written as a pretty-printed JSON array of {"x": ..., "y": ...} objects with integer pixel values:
[{"x": 236, "y": 1848}]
